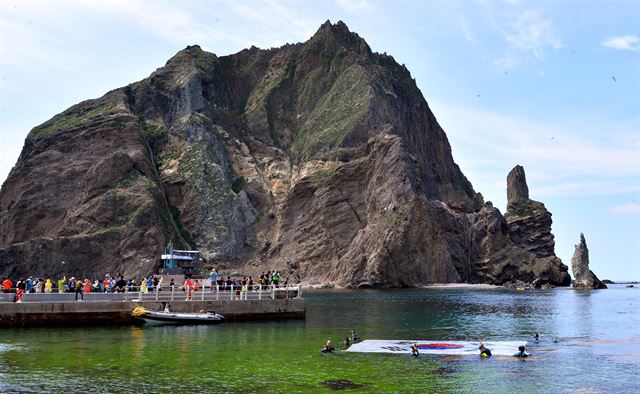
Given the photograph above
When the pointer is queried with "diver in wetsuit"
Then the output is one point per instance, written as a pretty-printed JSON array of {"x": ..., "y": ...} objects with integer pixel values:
[
  {"x": 414, "y": 350},
  {"x": 328, "y": 347},
  {"x": 484, "y": 351}
]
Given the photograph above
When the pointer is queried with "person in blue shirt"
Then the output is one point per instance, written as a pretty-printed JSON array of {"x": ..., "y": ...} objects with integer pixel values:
[
  {"x": 521, "y": 353},
  {"x": 213, "y": 277}
]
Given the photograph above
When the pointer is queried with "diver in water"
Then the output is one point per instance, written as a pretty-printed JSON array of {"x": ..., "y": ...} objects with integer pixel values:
[
  {"x": 414, "y": 350},
  {"x": 484, "y": 351},
  {"x": 354, "y": 337},
  {"x": 536, "y": 336},
  {"x": 521, "y": 353},
  {"x": 328, "y": 347}
]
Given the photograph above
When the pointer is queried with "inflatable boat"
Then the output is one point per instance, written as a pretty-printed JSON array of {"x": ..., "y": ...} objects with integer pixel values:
[{"x": 168, "y": 317}]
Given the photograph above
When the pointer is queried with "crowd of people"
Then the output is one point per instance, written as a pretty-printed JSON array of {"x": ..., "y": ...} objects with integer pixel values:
[
  {"x": 79, "y": 286},
  {"x": 264, "y": 280},
  {"x": 109, "y": 284}
]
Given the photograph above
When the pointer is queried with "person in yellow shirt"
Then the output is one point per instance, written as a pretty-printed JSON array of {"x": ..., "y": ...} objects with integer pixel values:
[
  {"x": 61, "y": 283},
  {"x": 48, "y": 286}
]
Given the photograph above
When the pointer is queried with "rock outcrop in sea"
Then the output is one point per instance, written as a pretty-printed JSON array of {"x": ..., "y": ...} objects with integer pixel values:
[
  {"x": 530, "y": 228},
  {"x": 320, "y": 159},
  {"x": 584, "y": 278}
]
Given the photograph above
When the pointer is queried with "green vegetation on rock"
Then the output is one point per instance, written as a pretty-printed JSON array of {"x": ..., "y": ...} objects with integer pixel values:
[
  {"x": 237, "y": 185},
  {"x": 155, "y": 135},
  {"x": 335, "y": 115},
  {"x": 69, "y": 119},
  {"x": 320, "y": 175}
]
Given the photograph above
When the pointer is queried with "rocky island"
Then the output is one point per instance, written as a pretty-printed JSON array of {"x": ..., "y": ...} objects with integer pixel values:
[{"x": 321, "y": 159}]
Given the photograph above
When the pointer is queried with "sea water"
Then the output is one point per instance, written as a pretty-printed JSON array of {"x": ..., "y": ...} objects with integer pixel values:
[{"x": 589, "y": 342}]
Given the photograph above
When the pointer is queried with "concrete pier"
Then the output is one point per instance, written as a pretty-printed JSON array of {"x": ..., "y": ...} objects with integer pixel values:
[{"x": 72, "y": 313}]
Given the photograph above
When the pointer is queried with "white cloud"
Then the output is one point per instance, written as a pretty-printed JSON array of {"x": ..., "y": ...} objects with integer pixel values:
[
  {"x": 355, "y": 6},
  {"x": 275, "y": 23},
  {"x": 163, "y": 20},
  {"x": 623, "y": 42},
  {"x": 247, "y": 11},
  {"x": 560, "y": 159},
  {"x": 624, "y": 209},
  {"x": 506, "y": 63},
  {"x": 466, "y": 30},
  {"x": 25, "y": 43},
  {"x": 527, "y": 33},
  {"x": 531, "y": 32}
]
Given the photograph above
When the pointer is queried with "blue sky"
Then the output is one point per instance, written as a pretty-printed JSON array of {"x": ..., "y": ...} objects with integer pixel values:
[{"x": 511, "y": 82}]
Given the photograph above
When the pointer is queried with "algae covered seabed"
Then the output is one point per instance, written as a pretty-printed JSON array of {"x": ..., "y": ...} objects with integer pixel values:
[{"x": 589, "y": 343}]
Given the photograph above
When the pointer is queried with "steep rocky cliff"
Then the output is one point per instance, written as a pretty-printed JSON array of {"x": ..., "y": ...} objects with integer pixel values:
[
  {"x": 321, "y": 159},
  {"x": 584, "y": 278}
]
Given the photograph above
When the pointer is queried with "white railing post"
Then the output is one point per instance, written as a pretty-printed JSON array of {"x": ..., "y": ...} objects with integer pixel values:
[
  {"x": 299, "y": 291},
  {"x": 172, "y": 290},
  {"x": 203, "y": 286},
  {"x": 156, "y": 293},
  {"x": 232, "y": 291},
  {"x": 260, "y": 292},
  {"x": 217, "y": 291}
]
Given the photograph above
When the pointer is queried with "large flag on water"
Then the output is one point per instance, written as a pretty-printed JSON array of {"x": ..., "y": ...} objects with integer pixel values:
[{"x": 498, "y": 348}]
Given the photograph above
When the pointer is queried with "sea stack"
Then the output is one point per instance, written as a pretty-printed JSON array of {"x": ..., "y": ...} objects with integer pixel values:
[
  {"x": 529, "y": 221},
  {"x": 584, "y": 277},
  {"x": 529, "y": 225}
]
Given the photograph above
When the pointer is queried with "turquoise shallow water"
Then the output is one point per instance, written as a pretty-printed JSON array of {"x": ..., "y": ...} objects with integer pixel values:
[{"x": 590, "y": 342}]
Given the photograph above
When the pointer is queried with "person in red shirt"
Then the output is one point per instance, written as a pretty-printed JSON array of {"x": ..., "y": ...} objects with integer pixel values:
[
  {"x": 188, "y": 287},
  {"x": 7, "y": 284},
  {"x": 21, "y": 285}
]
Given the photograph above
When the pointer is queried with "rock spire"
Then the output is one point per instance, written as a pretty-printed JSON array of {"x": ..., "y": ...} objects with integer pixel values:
[
  {"x": 584, "y": 278},
  {"x": 517, "y": 189},
  {"x": 530, "y": 228}
]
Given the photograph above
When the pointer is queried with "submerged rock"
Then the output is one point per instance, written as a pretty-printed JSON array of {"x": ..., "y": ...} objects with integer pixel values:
[
  {"x": 584, "y": 277},
  {"x": 342, "y": 384}
]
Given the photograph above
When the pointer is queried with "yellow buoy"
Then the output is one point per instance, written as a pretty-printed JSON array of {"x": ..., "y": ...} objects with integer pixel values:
[{"x": 139, "y": 311}]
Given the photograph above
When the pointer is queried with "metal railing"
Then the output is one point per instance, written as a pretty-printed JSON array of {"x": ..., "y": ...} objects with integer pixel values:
[{"x": 175, "y": 293}]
